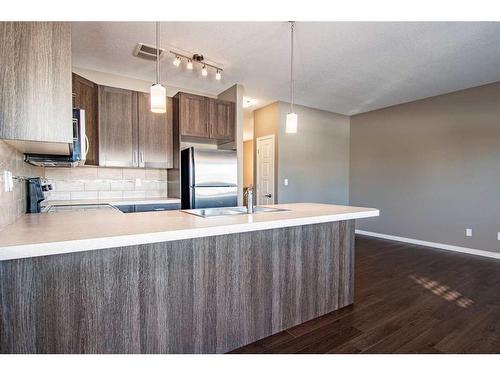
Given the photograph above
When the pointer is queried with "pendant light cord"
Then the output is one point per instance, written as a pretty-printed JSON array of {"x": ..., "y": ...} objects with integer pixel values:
[
  {"x": 157, "y": 52},
  {"x": 292, "y": 76}
]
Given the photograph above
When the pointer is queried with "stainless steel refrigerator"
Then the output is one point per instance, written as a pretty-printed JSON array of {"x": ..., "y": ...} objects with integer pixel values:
[{"x": 209, "y": 178}]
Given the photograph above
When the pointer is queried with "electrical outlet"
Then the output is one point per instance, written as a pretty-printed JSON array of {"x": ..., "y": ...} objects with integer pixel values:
[
  {"x": 468, "y": 232},
  {"x": 138, "y": 182},
  {"x": 285, "y": 182}
]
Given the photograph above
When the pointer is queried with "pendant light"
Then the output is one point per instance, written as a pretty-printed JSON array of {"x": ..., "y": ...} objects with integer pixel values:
[
  {"x": 291, "y": 117},
  {"x": 158, "y": 92}
]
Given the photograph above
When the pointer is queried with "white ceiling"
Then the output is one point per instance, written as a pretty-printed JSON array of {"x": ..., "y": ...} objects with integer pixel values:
[{"x": 344, "y": 67}]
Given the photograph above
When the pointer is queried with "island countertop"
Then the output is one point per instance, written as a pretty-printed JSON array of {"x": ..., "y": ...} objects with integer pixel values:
[{"x": 65, "y": 232}]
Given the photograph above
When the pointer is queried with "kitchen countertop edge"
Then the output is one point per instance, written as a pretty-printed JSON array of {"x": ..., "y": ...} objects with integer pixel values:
[{"x": 88, "y": 244}]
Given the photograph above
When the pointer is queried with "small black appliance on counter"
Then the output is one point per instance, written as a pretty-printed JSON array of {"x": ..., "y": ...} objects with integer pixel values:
[{"x": 34, "y": 194}]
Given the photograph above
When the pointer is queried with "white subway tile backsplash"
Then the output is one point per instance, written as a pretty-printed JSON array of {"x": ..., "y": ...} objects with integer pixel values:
[
  {"x": 152, "y": 174},
  {"x": 134, "y": 194},
  {"x": 65, "y": 185},
  {"x": 58, "y": 173},
  {"x": 122, "y": 185},
  {"x": 59, "y": 196},
  {"x": 110, "y": 195},
  {"x": 77, "y": 195},
  {"x": 132, "y": 174},
  {"x": 110, "y": 173},
  {"x": 97, "y": 185},
  {"x": 149, "y": 185},
  {"x": 106, "y": 183},
  {"x": 84, "y": 173}
]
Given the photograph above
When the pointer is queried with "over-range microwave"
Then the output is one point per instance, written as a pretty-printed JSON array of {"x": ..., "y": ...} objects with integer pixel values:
[{"x": 77, "y": 150}]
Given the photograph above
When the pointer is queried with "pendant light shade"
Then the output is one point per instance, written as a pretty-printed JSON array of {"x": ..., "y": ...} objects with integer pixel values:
[
  {"x": 292, "y": 119},
  {"x": 291, "y": 123},
  {"x": 158, "y": 92},
  {"x": 158, "y": 98}
]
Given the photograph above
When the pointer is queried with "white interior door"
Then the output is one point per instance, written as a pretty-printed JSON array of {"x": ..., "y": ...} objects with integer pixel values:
[{"x": 265, "y": 170}]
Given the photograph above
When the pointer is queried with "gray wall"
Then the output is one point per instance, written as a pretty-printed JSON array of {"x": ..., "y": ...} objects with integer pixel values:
[
  {"x": 316, "y": 159},
  {"x": 432, "y": 167}
]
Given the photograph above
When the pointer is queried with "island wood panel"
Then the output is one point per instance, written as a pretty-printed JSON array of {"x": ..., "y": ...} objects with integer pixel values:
[{"x": 205, "y": 295}]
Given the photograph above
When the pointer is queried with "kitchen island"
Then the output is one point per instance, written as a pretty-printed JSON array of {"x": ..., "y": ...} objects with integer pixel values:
[{"x": 170, "y": 282}]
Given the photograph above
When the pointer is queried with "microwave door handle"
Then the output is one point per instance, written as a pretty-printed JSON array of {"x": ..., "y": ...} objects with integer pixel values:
[{"x": 87, "y": 146}]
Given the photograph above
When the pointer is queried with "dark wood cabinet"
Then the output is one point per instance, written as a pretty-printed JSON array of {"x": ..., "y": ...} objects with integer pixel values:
[
  {"x": 118, "y": 136},
  {"x": 221, "y": 119},
  {"x": 155, "y": 134},
  {"x": 193, "y": 115},
  {"x": 35, "y": 85},
  {"x": 201, "y": 118},
  {"x": 85, "y": 97}
]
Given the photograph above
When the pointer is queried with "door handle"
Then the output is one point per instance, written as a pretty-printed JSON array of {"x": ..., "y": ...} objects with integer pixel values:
[{"x": 267, "y": 195}]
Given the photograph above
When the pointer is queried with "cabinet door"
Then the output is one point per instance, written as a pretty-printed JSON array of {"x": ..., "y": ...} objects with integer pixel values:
[
  {"x": 118, "y": 127},
  {"x": 85, "y": 97},
  {"x": 35, "y": 84},
  {"x": 193, "y": 115},
  {"x": 221, "y": 119},
  {"x": 155, "y": 134}
]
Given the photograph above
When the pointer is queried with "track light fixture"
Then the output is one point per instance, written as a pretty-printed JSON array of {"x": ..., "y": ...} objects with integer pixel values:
[{"x": 199, "y": 59}]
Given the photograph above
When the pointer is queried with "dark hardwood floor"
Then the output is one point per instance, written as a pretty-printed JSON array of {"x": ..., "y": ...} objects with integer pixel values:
[{"x": 408, "y": 299}]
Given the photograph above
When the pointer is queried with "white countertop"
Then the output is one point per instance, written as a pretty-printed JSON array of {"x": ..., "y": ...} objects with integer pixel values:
[{"x": 66, "y": 232}]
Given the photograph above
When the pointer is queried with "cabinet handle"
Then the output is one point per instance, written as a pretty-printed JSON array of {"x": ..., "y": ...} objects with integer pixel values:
[
  {"x": 135, "y": 158},
  {"x": 141, "y": 157}
]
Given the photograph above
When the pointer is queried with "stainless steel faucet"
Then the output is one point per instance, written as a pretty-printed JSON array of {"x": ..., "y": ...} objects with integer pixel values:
[{"x": 250, "y": 205}]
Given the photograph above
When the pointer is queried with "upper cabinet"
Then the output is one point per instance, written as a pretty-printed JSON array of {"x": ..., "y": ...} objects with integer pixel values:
[
  {"x": 130, "y": 135},
  {"x": 221, "y": 119},
  {"x": 193, "y": 115},
  {"x": 155, "y": 134},
  {"x": 118, "y": 138},
  {"x": 35, "y": 85},
  {"x": 204, "y": 118},
  {"x": 85, "y": 97}
]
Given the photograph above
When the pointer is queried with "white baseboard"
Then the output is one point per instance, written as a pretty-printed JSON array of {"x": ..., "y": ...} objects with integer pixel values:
[{"x": 483, "y": 253}]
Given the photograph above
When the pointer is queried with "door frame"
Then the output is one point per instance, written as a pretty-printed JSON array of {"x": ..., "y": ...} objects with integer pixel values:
[{"x": 257, "y": 144}]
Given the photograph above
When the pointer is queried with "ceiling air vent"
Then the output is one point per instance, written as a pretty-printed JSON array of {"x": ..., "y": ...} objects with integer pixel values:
[{"x": 145, "y": 51}]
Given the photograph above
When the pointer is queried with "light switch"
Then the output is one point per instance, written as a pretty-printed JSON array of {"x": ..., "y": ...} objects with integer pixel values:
[
  {"x": 498, "y": 236},
  {"x": 468, "y": 232},
  {"x": 286, "y": 181},
  {"x": 8, "y": 181}
]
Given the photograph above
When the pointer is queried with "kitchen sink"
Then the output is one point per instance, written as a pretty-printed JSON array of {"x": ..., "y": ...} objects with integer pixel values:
[{"x": 229, "y": 211}]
